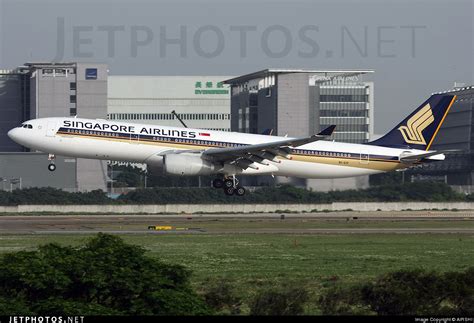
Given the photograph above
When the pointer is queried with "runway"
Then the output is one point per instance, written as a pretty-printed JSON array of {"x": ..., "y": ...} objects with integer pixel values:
[{"x": 414, "y": 222}]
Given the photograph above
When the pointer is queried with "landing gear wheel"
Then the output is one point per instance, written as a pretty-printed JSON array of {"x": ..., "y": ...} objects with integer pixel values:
[
  {"x": 51, "y": 167},
  {"x": 240, "y": 191},
  {"x": 229, "y": 191},
  {"x": 229, "y": 183},
  {"x": 218, "y": 183}
]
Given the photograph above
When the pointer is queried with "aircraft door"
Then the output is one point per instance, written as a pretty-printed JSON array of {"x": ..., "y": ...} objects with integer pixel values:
[
  {"x": 134, "y": 138},
  {"x": 364, "y": 157},
  {"x": 51, "y": 129}
]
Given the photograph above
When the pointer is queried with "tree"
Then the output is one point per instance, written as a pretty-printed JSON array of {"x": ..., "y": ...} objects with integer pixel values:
[
  {"x": 127, "y": 175},
  {"x": 104, "y": 277}
]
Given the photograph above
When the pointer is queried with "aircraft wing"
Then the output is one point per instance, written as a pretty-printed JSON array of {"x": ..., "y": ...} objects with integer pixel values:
[
  {"x": 417, "y": 157},
  {"x": 246, "y": 155}
]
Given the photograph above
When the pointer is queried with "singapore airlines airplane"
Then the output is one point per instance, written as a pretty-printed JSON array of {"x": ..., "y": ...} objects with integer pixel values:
[{"x": 185, "y": 151}]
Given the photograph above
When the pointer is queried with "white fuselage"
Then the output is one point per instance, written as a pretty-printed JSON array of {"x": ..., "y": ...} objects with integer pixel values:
[{"x": 141, "y": 143}]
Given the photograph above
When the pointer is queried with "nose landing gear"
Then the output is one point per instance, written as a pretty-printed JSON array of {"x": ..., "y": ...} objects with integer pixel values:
[
  {"x": 51, "y": 166},
  {"x": 230, "y": 185}
]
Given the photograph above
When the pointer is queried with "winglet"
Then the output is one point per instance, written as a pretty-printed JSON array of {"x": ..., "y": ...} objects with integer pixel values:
[
  {"x": 267, "y": 132},
  {"x": 328, "y": 131}
]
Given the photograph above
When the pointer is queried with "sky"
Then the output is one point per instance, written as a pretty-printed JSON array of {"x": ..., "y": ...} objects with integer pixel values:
[{"x": 415, "y": 47}]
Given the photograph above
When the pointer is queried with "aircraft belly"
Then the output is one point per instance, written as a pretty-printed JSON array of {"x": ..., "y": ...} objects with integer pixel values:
[
  {"x": 320, "y": 170},
  {"x": 99, "y": 149}
]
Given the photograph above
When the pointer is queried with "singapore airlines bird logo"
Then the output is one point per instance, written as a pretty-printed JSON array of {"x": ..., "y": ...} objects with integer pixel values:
[{"x": 412, "y": 132}]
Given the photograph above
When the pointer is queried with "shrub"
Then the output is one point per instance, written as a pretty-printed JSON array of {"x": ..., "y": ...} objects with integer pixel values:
[
  {"x": 104, "y": 277},
  {"x": 221, "y": 296},
  {"x": 283, "y": 301},
  {"x": 405, "y": 292}
]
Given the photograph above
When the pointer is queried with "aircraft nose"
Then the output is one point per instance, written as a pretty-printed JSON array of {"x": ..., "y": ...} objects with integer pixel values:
[{"x": 14, "y": 134}]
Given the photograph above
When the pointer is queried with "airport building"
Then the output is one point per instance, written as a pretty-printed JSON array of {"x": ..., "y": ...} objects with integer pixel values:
[
  {"x": 300, "y": 103},
  {"x": 457, "y": 132},
  {"x": 199, "y": 101},
  {"x": 40, "y": 90}
]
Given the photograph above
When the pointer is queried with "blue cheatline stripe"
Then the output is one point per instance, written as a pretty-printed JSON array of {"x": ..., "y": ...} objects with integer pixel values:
[{"x": 209, "y": 143}]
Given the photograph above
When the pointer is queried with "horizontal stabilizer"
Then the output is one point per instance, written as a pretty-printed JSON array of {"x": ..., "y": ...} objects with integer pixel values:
[{"x": 409, "y": 158}]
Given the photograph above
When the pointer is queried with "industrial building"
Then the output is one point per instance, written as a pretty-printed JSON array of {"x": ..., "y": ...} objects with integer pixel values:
[
  {"x": 300, "y": 103},
  {"x": 457, "y": 132},
  {"x": 39, "y": 90},
  {"x": 200, "y": 101}
]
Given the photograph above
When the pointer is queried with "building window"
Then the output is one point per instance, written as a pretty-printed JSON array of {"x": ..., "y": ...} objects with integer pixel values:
[
  {"x": 268, "y": 92},
  {"x": 60, "y": 72},
  {"x": 344, "y": 98},
  {"x": 72, "y": 99},
  {"x": 72, "y": 111},
  {"x": 48, "y": 71},
  {"x": 72, "y": 86}
]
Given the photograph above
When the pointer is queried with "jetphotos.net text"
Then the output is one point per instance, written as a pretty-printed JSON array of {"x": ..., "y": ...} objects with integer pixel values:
[{"x": 46, "y": 319}]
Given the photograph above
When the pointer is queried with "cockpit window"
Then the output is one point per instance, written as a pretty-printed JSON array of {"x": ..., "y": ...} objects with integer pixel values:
[
  {"x": 27, "y": 126},
  {"x": 30, "y": 126}
]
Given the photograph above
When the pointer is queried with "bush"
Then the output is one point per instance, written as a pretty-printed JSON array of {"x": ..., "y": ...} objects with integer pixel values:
[
  {"x": 423, "y": 191},
  {"x": 405, "y": 292},
  {"x": 220, "y": 295},
  {"x": 104, "y": 277},
  {"x": 413, "y": 292},
  {"x": 340, "y": 301},
  {"x": 50, "y": 195},
  {"x": 283, "y": 301}
]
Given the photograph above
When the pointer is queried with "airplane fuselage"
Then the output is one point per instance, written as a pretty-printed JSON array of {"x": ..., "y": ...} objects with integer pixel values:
[{"x": 142, "y": 143}]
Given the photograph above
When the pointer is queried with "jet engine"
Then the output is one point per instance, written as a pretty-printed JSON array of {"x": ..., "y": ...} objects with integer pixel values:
[{"x": 187, "y": 164}]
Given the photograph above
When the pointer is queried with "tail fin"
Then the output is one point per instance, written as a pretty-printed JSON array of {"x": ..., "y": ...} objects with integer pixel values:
[{"x": 420, "y": 128}]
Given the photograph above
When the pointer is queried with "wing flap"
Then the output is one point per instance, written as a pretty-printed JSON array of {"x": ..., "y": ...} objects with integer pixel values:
[{"x": 280, "y": 148}]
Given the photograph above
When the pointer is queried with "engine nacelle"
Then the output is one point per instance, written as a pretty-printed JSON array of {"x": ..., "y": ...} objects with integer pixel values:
[
  {"x": 155, "y": 162},
  {"x": 187, "y": 164}
]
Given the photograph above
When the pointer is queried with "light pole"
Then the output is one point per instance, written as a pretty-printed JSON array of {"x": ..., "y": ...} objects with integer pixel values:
[
  {"x": 15, "y": 181},
  {"x": 111, "y": 178},
  {"x": 4, "y": 180}
]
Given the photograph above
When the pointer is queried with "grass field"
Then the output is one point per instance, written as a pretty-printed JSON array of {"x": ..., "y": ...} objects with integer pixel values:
[{"x": 255, "y": 261}]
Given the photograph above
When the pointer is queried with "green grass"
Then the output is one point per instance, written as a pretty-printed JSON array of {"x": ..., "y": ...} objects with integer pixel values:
[
  {"x": 232, "y": 224},
  {"x": 301, "y": 223},
  {"x": 254, "y": 261}
]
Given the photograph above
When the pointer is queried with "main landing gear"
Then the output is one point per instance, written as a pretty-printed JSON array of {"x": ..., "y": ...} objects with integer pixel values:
[
  {"x": 51, "y": 166},
  {"x": 230, "y": 185}
]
